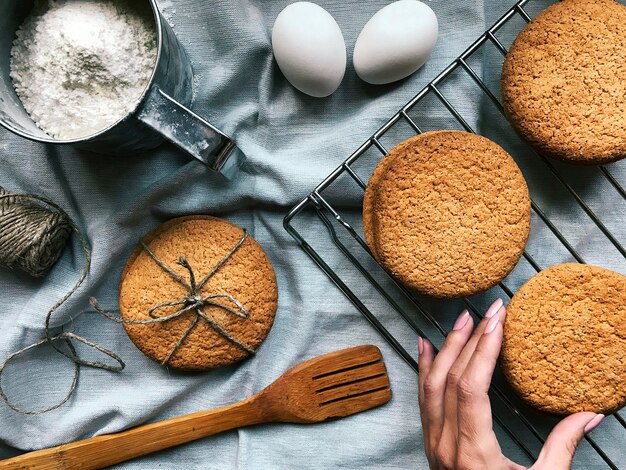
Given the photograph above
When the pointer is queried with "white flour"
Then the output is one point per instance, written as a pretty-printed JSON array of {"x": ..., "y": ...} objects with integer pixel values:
[{"x": 81, "y": 65}]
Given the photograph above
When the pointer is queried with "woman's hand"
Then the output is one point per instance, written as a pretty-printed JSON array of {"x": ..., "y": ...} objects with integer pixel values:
[{"x": 455, "y": 408}]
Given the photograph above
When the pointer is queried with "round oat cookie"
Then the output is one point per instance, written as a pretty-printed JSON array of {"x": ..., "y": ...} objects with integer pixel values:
[
  {"x": 247, "y": 276},
  {"x": 564, "y": 82},
  {"x": 447, "y": 213},
  {"x": 564, "y": 347}
]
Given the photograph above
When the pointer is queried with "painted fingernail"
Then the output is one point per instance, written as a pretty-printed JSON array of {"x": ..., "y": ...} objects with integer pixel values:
[
  {"x": 420, "y": 345},
  {"x": 591, "y": 425},
  {"x": 491, "y": 311},
  {"x": 462, "y": 320},
  {"x": 493, "y": 322}
]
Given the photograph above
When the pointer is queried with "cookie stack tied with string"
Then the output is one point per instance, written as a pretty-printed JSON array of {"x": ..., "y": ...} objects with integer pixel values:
[{"x": 197, "y": 293}]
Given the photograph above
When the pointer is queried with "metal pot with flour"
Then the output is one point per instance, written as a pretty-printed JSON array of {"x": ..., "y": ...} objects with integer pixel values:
[{"x": 134, "y": 92}]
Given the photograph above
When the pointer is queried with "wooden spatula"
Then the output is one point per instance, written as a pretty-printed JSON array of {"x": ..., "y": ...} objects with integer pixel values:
[{"x": 331, "y": 386}]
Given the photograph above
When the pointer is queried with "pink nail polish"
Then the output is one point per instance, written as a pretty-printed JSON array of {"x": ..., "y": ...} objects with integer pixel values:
[
  {"x": 591, "y": 425},
  {"x": 502, "y": 314},
  {"x": 420, "y": 345},
  {"x": 462, "y": 320},
  {"x": 494, "y": 308},
  {"x": 493, "y": 322}
]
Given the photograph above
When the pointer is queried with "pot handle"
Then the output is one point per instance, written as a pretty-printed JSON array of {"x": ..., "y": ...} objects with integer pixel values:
[{"x": 190, "y": 132}]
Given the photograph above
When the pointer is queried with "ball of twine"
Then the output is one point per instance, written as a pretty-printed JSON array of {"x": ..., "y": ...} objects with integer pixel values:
[{"x": 32, "y": 236}]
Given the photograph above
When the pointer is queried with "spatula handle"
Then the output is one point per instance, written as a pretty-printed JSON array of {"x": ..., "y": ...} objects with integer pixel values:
[{"x": 102, "y": 451}]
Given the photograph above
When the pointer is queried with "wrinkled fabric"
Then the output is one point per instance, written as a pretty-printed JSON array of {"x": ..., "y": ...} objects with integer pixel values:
[{"x": 292, "y": 142}]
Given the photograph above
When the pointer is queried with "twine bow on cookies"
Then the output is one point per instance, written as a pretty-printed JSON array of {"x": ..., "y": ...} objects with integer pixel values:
[{"x": 193, "y": 301}]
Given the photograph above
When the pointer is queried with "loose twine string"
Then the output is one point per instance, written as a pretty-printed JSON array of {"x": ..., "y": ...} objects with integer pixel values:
[
  {"x": 20, "y": 215},
  {"x": 60, "y": 226}
]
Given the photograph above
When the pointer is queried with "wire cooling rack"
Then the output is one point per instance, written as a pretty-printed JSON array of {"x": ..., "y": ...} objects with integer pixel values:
[{"x": 523, "y": 426}]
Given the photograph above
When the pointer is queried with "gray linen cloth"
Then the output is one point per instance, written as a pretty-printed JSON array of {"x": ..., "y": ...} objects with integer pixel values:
[{"x": 292, "y": 142}]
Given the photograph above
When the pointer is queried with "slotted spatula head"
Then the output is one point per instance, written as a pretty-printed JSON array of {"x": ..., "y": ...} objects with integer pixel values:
[{"x": 331, "y": 386}]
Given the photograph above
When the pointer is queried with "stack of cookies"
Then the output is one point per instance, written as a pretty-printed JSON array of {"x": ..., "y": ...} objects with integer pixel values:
[
  {"x": 198, "y": 293},
  {"x": 447, "y": 213}
]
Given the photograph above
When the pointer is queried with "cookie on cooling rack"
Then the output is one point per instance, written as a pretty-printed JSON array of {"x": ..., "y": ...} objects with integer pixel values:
[
  {"x": 447, "y": 213},
  {"x": 564, "y": 82},
  {"x": 225, "y": 320},
  {"x": 564, "y": 346}
]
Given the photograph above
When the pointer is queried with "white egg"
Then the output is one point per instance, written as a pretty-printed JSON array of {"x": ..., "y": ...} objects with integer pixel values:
[
  {"x": 309, "y": 48},
  {"x": 395, "y": 42}
]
